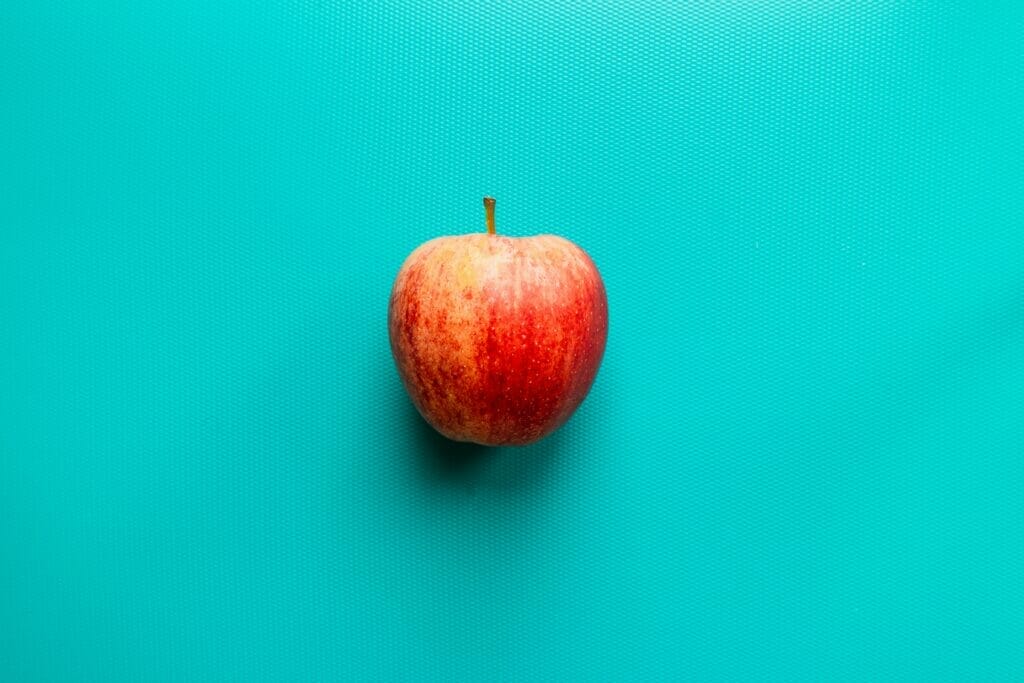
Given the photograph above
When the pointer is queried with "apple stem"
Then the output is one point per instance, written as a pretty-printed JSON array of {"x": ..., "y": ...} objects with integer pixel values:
[{"x": 489, "y": 209}]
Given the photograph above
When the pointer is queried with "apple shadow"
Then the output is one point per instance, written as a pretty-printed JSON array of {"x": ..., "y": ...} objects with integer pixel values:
[
  {"x": 471, "y": 466},
  {"x": 444, "y": 458}
]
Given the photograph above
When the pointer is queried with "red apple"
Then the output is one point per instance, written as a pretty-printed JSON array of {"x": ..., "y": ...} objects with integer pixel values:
[{"x": 497, "y": 339}]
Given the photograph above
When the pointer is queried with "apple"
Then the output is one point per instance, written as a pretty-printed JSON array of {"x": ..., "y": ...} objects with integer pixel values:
[{"x": 497, "y": 339}]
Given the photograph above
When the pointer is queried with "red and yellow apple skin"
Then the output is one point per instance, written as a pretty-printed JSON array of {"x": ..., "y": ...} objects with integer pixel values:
[{"x": 498, "y": 340}]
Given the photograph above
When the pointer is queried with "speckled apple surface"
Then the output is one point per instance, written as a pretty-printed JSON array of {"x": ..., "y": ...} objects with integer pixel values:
[
  {"x": 497, "y": 340},
  {"x": 801, "y": 458}
]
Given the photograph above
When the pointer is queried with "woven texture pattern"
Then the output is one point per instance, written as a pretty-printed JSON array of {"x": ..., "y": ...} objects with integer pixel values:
[{"x": 802, "y": 458}]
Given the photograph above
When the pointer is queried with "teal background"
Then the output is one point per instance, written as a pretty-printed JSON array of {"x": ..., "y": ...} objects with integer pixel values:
[{"x": 803, "y": 457}]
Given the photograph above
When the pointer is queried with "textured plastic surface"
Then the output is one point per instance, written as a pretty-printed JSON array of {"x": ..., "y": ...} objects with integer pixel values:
[{"x": 803, "y": 456}]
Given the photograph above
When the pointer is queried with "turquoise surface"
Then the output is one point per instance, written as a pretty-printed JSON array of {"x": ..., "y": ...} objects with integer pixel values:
[{"x": 803, "y": 457}]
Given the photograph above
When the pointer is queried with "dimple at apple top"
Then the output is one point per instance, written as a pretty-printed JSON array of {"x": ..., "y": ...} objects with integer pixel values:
[{"x": 803, "y": 456}]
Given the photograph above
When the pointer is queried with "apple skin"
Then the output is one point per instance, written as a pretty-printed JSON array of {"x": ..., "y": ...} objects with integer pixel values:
[{"x": 497, "y": 339}]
